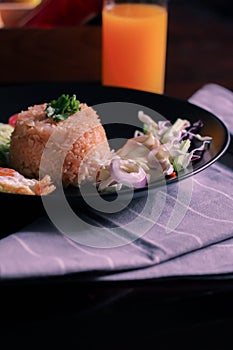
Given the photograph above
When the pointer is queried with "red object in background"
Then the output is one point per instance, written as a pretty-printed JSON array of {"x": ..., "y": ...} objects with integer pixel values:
[
  {"x": 62, "y": 13},
  {"x": 12, "y": 119}
]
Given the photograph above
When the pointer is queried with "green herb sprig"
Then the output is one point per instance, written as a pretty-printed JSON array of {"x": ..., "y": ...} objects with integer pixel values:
[{"x": 62, "y": 108}]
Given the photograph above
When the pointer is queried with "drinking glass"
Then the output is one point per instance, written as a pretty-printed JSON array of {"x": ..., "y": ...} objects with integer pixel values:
[{"x": 134, "y": 43}]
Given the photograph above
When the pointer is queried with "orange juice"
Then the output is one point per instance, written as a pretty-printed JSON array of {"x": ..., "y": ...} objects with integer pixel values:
[{"x": 134, "y": 46}]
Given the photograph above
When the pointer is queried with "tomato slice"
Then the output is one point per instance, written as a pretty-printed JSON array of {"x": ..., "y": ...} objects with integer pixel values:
[
  {"x": 7, "y": 172},
  {"x": 12, "y": 119}
]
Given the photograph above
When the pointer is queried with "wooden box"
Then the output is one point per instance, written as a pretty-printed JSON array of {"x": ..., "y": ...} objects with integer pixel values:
[{"x": 60, "y": 54}]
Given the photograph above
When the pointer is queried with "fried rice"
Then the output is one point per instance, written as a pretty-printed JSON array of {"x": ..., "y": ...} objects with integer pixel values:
[{"x": 81, "y": 135}]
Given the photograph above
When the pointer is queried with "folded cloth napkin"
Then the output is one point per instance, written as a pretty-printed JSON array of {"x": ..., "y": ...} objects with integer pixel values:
[{"x": 198, "y": 241}]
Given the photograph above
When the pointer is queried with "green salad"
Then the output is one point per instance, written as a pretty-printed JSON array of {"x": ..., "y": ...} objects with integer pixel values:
[{"x": 5, "y": 137}]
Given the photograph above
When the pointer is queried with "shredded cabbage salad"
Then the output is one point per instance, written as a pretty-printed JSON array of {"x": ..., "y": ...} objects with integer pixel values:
[{"x": 161, "y": 149}]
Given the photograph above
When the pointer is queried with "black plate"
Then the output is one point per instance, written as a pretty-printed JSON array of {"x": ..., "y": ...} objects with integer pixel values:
[{"x": 18, "y": 97}]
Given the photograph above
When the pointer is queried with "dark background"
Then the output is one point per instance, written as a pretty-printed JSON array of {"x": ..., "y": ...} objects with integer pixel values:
[{"x": 200, "y": 50}]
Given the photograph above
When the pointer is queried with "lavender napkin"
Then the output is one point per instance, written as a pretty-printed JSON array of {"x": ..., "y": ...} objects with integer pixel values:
[{"x": 192, "y": 234}]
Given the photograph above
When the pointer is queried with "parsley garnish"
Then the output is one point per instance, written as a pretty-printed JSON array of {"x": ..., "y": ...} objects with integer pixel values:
[
  {"x": 145, "y": 128},
  {"x": 62, "y": 108}
]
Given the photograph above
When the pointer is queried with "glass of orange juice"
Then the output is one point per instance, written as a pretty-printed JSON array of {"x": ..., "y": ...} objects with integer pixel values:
[{"x": 134, "y": 42}]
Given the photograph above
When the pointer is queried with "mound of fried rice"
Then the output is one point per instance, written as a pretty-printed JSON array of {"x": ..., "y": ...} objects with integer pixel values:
[{"x": 34, "y": 129}]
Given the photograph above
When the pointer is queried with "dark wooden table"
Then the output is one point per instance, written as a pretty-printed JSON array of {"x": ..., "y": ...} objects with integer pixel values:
[
  {"x": 199, "y": 50},
  {"x": 200, "y": 46}
]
